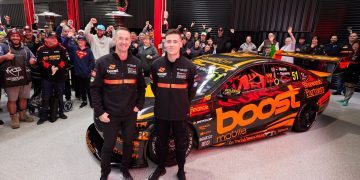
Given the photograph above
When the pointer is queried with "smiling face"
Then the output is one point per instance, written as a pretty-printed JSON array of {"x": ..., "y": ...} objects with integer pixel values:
[
  {"x": 15, "y": 39},
  {"x": 122, "y": 40}
]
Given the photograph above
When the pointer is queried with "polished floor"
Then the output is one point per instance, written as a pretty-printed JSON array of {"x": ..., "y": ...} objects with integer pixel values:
[{"x": 330, "y": 150}]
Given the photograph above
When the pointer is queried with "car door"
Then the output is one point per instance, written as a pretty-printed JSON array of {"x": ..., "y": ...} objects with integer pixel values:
[{"x": 236, "y": 105}]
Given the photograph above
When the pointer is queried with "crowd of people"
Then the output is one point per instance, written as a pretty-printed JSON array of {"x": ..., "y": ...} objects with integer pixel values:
[{"x": 55, "y": 61}]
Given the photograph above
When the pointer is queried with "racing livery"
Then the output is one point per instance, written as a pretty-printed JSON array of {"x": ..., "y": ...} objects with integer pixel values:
[{"x": 240, "y": 97}]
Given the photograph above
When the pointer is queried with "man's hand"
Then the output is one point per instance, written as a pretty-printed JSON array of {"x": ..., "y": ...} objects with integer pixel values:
[
  {"x": 203, "y": 26},
  {"x": 54, "y": 69},
  {"x": 136, "y": 109},
  {"x": 232, "y": 31},
  {"x": 289, "y": 29},
  {"x": 149, "y": 57},
  {"x": 136, "y": 45},
  {"x": 104, "y": 118},
  {"x": 93, "y": 21},
  {"x": 179, "y": 26},
  {"x": 192, "y": 24},
  {"x": 110, "y": 28},
  {"x": 209, "y": 30},
  {"x": 9, "y": 56},
  {"x": 147, "y": 23},
  {"x": 32, "y": 61}
]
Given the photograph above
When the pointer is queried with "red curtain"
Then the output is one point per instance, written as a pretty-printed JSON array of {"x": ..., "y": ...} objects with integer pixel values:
[
  {"x": 29, "y": 12},
  {"x": 158, "y": 21},
  {"x": 73, "y": 12}
]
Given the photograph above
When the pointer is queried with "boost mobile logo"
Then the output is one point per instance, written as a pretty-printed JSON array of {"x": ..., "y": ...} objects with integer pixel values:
[
  {"x": 280, "y": 104},
  {"x": 15, "y": 71}
]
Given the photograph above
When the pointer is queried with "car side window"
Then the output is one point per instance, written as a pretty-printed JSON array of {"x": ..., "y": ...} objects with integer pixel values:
[
  {"x": 277, "y": 74},
  {"x": 251, "y": 78}
]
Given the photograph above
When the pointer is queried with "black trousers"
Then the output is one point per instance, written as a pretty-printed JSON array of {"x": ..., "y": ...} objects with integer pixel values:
[
  {"x": 84, "y": 88},
  {"x": 36, "y": 82},
  {"x": 127, "y": 125},
  {"x": 49, "y": 89},
  {"x": 67, "y": 88},
  {"x": 178, "y": 129}
]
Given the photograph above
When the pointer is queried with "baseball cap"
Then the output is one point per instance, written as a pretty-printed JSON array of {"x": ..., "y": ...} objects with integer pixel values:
[
  {"x": 203, "y": 33},
  {"x": 81, "y": 38},
  {"x": 3, "y": 33},
  {"x": 220, "y": 29},
  {"x": 27, "y": 28},
  {"x": 101, "y": 27},
  {"x": 13, "y": 31}
]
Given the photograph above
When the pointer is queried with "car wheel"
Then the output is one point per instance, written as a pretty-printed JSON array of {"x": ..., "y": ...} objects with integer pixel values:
[
  {"x": 68, "y": 105},
  {"x": 305, "y": 118},
  {"x": 171, "y": 158}
]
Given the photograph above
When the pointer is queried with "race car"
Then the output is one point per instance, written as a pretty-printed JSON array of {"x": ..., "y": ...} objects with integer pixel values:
[{"x": 240, "y": 97}]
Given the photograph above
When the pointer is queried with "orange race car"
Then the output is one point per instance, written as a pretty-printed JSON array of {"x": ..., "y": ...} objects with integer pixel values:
[{"x": 240, "y": 97}]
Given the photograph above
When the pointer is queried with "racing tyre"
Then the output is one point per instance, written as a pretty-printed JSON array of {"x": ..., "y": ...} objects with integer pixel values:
[
  {"x": 171, "y": 158},
  {"x": 305, "y": 118}
]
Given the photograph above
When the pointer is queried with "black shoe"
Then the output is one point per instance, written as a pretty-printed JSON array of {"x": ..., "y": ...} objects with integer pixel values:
[
  {"x": 83, "y": 104},
  {"x": 40, "y": 121},
  {"x": 1, "y": 122},
  {"x": 181, "y": 175},
  {"x": 1, "y": 110},
  {"x": 62, "y": 116},
  {"x": 336, "y": 93},
  {"x": 104, "y": 177},
  {"x": 159, "y": 171},
  {"x": 126, "y": 174}
]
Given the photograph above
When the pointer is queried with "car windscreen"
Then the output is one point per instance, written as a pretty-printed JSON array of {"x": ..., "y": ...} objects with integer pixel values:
[{"x": 209, "y": 76}]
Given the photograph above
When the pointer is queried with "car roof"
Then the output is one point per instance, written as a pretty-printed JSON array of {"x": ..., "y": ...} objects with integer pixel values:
[{"x": 229, "y": 61}]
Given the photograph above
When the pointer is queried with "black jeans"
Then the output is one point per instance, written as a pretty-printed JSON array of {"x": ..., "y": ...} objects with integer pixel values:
[
  {"x": 127, "y": 125},
  {"x": 84, "y": 88},
  {"x": 49, "y": 89},
  {"x": 178, "y": 129},
  {"x": 37, "y": 86}
]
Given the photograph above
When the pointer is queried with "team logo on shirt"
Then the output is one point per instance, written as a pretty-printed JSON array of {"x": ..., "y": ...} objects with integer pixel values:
[
  {"x": 111, "y": 70},
  {"x": 81, "y": 54},
  {"x": 162, "y": 69},
  {"x": 112, "y": 66}
]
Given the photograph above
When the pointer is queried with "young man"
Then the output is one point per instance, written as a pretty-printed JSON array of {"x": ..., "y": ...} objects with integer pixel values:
[
  {"x": 17, "y": 80},
  {"x": 173, "y": 78},
  {"x": 118, "y": 93}
]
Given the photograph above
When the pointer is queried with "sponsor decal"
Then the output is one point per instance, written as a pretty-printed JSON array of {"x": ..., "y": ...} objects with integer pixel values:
[
  {"x": 314, "y": 92},
  {"x": 312, "y": 84},
  {"x": 205, "y": 133},
  {"x": 204, "y": 127},
  {"x": 46, "y": 58},
  {"x": 54, "y": 57},
  {"x": 161, "y": 75},
  {"x": 199, "y": 109},
  {"x": 250, "y": 138},
  {"x": 231, "y": 135},
  {"x": 182, "y": 70},
  {"x": 205, "y": 138},
  {"x": 131, "y": 65},
  {"x": 280, "y": 104},
  {"x": 181, "y": 75},
  {"x": 132, "y": 70},
  {"x": 203, "y": 121},
  {"x": 205, "y": 143}
]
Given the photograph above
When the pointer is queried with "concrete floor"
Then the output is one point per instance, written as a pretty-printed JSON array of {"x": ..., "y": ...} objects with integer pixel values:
[{"x": 330, "y": 150}]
